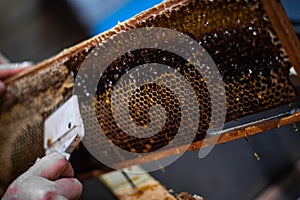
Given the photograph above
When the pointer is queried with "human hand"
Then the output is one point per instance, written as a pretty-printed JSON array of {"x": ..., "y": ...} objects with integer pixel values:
[
  {"x": 5, "y": 74},
  {"x": 8, "y": 69},
  {"x": 48, "y": 179}
]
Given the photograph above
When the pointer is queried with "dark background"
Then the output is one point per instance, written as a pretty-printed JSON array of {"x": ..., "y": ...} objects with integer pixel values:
[{"x": 38, "y": 29}]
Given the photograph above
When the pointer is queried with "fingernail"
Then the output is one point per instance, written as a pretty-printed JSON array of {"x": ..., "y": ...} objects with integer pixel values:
[{"x": 2, "y": 87}]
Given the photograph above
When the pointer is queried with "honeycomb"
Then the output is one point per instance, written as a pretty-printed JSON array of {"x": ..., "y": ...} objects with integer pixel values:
[
  {"x": 238, "y": 36},
  {"x": 148, "y": 95},
  {"x": 247, "y": 52}
]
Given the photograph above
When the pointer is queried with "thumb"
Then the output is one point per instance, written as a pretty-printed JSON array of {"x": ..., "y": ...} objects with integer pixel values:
[
  {"x": 52, "y": 167},
  {"x": 70, "y": 188},
  {"x": 5, "y": 73}
]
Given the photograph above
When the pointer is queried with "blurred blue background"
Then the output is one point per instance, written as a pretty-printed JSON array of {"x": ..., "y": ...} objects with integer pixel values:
[
  {"x": 98, "y": 15},
  {"x": 292, "y": 8}
]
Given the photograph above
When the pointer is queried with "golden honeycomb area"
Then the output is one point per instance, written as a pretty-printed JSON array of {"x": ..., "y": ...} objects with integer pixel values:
[{"x": 239, "y": 38}]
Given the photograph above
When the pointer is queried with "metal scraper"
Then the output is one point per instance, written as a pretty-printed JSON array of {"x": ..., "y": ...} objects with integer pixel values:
[{"x": 64, "y": 128}]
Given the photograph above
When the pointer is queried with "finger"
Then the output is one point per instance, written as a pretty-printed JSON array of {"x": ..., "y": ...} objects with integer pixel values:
[
  {"x": 52, "y": 167},
  {"x": 68, "y": 172},
  {"x": 70, "y": 188},
  {"x": 10, "y": 72},
  {"x": 2, "y": 87},
  {"x": 52, "y": 195},
  {"x": 34, "y": 187},
  {"x": 59, "y": 166}
]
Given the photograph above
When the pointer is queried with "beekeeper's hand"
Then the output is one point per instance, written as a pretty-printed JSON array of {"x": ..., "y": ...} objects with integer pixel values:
[
  {"x": 5, "y": 73},
  {"x": 49, "y": 178}
]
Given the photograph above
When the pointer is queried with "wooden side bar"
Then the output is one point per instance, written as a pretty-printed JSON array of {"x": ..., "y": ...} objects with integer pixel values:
[
  {"x": 284, "y": 30},
  {"x": 225, "y": 137}
]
